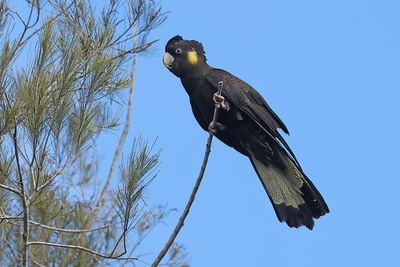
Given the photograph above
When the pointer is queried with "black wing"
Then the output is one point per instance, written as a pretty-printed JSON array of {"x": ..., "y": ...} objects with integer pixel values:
[{"x": 248, "y": 100}]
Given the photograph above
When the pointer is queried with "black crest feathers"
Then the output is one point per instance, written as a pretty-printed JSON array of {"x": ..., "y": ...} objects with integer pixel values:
[{"x": 173, "y": 40}]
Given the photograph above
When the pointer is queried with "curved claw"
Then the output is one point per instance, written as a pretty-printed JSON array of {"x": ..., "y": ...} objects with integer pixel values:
[
  {"x": 220, "y": 102},
  {"x": 215, "y": 127}
]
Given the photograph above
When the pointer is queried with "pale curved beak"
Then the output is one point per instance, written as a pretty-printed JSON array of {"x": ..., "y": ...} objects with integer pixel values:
[{"x": 168, "y": 59}]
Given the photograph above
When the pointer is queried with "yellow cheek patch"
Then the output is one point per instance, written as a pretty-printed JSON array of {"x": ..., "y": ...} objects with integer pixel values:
[{"x": 192, "y": 57}]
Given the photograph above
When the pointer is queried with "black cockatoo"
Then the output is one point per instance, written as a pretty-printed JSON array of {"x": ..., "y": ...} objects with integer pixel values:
[{"x": 248, "y": 124}]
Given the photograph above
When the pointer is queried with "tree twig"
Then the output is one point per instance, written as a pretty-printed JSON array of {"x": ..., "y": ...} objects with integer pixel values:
[
  {"x": 69, "y": 230},
  {"x": 87, "y": 250},
  {"x": 181, "y": 221},
  {"x": 6, "y": 217},
  {"x": 102, "y": 197},
  {"x": 8, "y": 188},
  {"x": 25, "y": 233}
]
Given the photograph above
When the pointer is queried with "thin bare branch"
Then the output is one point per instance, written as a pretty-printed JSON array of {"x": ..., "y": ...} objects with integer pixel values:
[
  {"x": 6, "y": 217},
  {"x": 70, "y": 230},
  {"x": 8, "y": 188},
  {"x": 25, "y": 233},
  {"x": 102, "y": 197},
  {"x": 23, "y": 42},
  {"x": 87, "y": 250},
  {"x": 67, "y": 164},
  {"x": 181, "y": 221}
]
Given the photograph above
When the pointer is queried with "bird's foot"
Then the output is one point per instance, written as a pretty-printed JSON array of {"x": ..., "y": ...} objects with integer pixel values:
[
  {"x": 220, "y": 102},
  {"x": 215, "y": 127}
]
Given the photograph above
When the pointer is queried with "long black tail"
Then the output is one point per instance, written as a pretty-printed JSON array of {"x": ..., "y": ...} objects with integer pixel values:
[{"x": 295, "y": 199}]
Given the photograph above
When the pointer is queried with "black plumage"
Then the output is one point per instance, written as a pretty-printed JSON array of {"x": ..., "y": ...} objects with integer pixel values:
[{"x": 250, "y": 126}]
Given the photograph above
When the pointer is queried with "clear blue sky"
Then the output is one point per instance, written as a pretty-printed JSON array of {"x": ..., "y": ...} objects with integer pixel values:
[{"x": 330, "y": 69}]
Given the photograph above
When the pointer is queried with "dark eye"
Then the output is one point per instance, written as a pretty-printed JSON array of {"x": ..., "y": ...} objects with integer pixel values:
[{"x": 178, "y": 51}]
